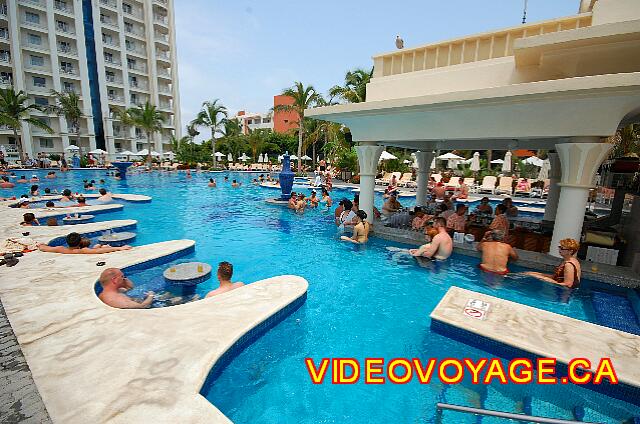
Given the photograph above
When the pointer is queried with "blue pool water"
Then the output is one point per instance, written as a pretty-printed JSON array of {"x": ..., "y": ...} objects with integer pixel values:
[{"x": 363, "y": 301}]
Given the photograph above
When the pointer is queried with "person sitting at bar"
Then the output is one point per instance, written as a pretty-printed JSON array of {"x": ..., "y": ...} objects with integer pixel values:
[
  {"x": 360, "y": 230},
  {"x": 420, "y": 219},
  {"x": 500, "y": 222},
  {"x": 484, "y": 207},
  {"x": 458, "y": 220},
  {"x": 495, "y": 253},
  {"x": 438, "y": 191},
  {"x": 441, "y": 245},
  {"x": 569, "y": 271},
  {"x": 113, "y": 284},
  {"x": 74, "y": 246},
  {"x": 225, "y": 273},
  {"x": 511, "y": 210},
  {"x": 105, "y": 196},
  {"x": 462, "y": 192},
  {"x": 392, "y": 205}
]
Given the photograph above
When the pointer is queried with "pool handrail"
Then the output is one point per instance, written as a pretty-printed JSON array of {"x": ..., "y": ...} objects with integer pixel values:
[{"x": 499, "y": 414}]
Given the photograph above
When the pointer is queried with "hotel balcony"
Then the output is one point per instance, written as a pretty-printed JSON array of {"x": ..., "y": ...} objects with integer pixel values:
[
  {"x": 114, "y": 98},
  {"x": 161, "y": 37},
  {"x": 136, "y": 14},
  {"x": 65, "y": 29},
  {"x": 68, "y": 71},
  {"x": 163, "y": 3},
  {"x": 112, "y": 79},
  {"x": 41, "y": 69},
  {"x": 109, "y": 3},
  {"x": 136, "y": 51},
  {"x": 139, "y": 67},
  {"x": 165, "y": 106},
  {"x": 67, "y": 50},
  {"x": 62, "y": 7},
  {"x": 3, "y": 11},
  {"x": 43, "y": 47},
  {"x": 134, "y": 31},
  {"x": 34, "y": 3},
  {"x": 112, "y": 62},
  {"x": 5, "y": 59},
  {"x": 160, "y": 19},
  {"x": 109, "y": 23},
  {"x": 35, "y": 25},
  {"x": 4, "y": 35},
  {"x": 111, "y": 43},
  {"x": 166, "y": 91},
  {"x": 163, "y": 55}
]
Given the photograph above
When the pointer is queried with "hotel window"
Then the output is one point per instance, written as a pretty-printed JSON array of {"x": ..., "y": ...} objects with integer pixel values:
[
  {"x": 127, "y": 8},
  {"x": 110, "y": 76},
  {"x": 134, "y": 98},
  {"x": 66, "y": 67},
  {"x": 5, "y": 56},
  {"x": 36, "y": 60},
  {"x": 46, "y": 143},
  {"x": 12, "y": 141},
  {"x": 32, "y": 18},
  {"x": 39, "y": 82},
  {"x": 35, "y": 39},
  {"x": 68, "y": 87},
  {"x": 128, "y": 26},
  {"x": 64, "y": 46},
  {"x": 107, "y": 38},
  {"x": 62, "y": 26},
  {"x": 108, "y": 57},
  {"x": 41, "y": 101},
  {"x": 133, "y": 81},
  {"x": 118, "y": 146},
  {"x": 4, "y": 33}
]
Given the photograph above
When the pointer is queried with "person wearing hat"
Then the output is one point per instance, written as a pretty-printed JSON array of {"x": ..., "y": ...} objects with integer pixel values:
[
  {"x": 24, "y": 203},
  {"x": 34, "y": 178},
  {"x": 392, "y": 205}
]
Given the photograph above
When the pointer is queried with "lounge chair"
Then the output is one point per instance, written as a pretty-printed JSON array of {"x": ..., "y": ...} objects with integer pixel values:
[
  {"x": 404, "y": 179},
  {"x": 523, "y": 192},
  {"x": 471, "y": 183},
  {"x": 453, "y": 183},
  {"x": 505, "y": 186},
  {"x": 436, "y": 177},
  {"x": 385, "y": 179},
  {"x": 488, "y": 184}
]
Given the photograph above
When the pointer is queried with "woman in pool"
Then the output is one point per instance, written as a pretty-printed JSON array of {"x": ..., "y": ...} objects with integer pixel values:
[
  {"x": 313, "y": 200},
  {"x": 568, "y": 272},
  {"x": 326, "y": 198},
  {"x": 212, "y": 183},
  {"x": 360, "y": 230}
]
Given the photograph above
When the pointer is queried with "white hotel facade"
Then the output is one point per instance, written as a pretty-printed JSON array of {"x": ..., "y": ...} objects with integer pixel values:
[{"x": 112, "y": 53}]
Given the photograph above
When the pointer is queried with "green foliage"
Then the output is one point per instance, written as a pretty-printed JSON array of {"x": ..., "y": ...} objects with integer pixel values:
[
  {"x": 146, "y": 117},
  {"x": 355, "y": 86},
  {"x": 626, "y": 142},
  {"x": 213, "y": 116},
  {"x": 347, "y": 160},
  {"x": 526, "y": 170}
]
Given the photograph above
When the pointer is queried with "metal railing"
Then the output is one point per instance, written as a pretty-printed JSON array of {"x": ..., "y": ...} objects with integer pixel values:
[
  {"x": 161, "y": 19},
  {"x": 162, "y": 54},
  {"x": 137, "y": 67},
  {"x": 162, "y": 37},
  {"x": 68, "y": 50},
  {"x": 65, "y": 29},
  {"x": 33, "y": 24},
  {"x": 110, "y": 3},
  {"x": 113, "y": 79},
  {"x": 115, "y": 98},
  {"x": 68, "y": 70},
  {"x": 115, "y": 62},
  {"x": 133, "y": 31},
  {"x": 499, "y": 414},
  {"x": 62, "y": 7}
]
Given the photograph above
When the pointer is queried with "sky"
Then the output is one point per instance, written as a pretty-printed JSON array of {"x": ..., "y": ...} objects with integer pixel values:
[{"x": 244, "y": 52}]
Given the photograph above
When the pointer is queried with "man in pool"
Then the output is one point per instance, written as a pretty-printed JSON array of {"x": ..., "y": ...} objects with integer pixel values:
[
  {"x": 113, "y": 283},
  {"x": 66, "y": 196},
  {"x": 105, "y": 196},
  {"x": 441, "y": 245},
  {"x": 495, "y": 253},
  {"x": 225, "y": 272},
  {"x": 74, "y": 246},
  {"x": 235, "y": 184}
]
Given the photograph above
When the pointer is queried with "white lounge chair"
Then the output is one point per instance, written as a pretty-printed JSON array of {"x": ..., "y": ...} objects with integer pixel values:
[
  {"x": 505, "y": 186},
  {"x": 384, "y": 180},
  {"x": 436, "y": 177},
  {"x": 488, "y": 184}
]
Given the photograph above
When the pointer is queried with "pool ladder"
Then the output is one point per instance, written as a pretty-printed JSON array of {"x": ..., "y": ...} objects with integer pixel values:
[{"x": 499, "y": 414}]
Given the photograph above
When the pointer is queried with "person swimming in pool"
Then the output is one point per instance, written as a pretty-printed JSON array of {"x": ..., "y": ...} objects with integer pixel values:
[
  {"x": 360, "y": 230},
  {"x": 495, "y": 253},
  {"x": 235, "y": 184},
  {"x": 440, "y": 247},
  {"x": 114, "y": 283},
  {"x": 212, "y": 183}
]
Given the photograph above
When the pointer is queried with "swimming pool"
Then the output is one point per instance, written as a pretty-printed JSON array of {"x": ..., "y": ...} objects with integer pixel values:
[{"x": 363, "y": 301}]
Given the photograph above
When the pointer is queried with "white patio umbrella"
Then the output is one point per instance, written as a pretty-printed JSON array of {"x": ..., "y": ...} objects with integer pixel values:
[
  {"x": 475, "y": 162},
  {"x": 126, "y": 153},
  {"x": 219, "y": 155},
  {"x": 305, "y": 158},
  {"x": 534, "y": 160},
  {"x": 387, "y": 156},
  {"x": 154, "y": 153},
  {"x": 260, "y": 160},
  {"x": 293, "y": 157},
  {"x": 544, "y": 170},
  {"x": 143, "y": 152},
  {"x": 98, "y": 152},
  {"x": 266, "y": 158},
  {"x": 498, "y": 161},
  {"x": 170, "y": 155},
  {"x": 449, "y": 156},
  {"x": 244, "y": 157},
  {"x": 72, "y": 147},
  {"x": 280, "y": 158},
  {"x": 229, "y": 157},
  {"x": 506, "y": 166}
]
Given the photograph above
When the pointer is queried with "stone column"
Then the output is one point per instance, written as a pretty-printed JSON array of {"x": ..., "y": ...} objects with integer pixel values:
[
  {"x": 580, "y": 162},
  {"x": 368, "y": 156},
  {"x": 424, "y": 165},
  {"x": 555, "y": 173}
]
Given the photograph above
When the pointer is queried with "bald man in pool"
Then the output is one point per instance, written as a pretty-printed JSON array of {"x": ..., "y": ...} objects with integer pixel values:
[{"x": 113, "y": 283}]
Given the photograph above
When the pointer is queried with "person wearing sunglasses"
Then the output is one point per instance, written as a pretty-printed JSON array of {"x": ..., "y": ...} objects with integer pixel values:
[
  {"x": 114, "y": 282},
  {"x": 569, "y": 271}
]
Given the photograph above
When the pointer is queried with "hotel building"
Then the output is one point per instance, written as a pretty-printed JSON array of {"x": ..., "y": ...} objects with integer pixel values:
[{"x": 112, "y": 53}]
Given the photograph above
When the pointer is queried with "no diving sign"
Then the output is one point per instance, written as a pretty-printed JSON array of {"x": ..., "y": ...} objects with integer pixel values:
[{"x": 476, "y": 308}]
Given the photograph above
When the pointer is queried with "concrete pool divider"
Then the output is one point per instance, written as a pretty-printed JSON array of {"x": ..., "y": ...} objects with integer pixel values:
[
  {"x": 94, "y": 363},
  {"x": 512, "y": 330},
  {"x": 46, "y": 234}
]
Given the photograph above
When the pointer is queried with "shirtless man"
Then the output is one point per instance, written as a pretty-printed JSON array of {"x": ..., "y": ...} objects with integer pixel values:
[
  {"x": 495, "y": 253},
  {"x": 392, "y": 205},
  {"x": 441, "y": 245},
  {"x": 74, "y": 242},
  {"x": 360, "y": 230},
  {"x": 104, "y": 196},
  {"x": 66, "y": 196},
  {"x": 438, "y": 191},
  {"x": 113, "y": 283},
  {"x": 225, "y": 272},
  {"x": 212, "y": 183},
  {"x": 235, "y": 184}
]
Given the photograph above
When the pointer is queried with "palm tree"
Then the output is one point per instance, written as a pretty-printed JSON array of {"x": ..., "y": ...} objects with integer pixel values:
[
  {"x": 146, "y": 117},
  {"x": 211, "y": 115},
  {"x": 14, "y": 110},
  {"x": 303, "y": 98},
  {"x": 355, "y": 86},
  {"x": 68, "y": 106}
]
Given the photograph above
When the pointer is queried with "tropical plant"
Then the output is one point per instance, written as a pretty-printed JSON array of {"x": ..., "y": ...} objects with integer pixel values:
[
  {"x": 146, "y": 117},
  {"x": 212, "y": 115},
  {"x": 14, "y": 110},
  {"x": 626, "y": 142},
  {"x": 258, "y": 142},
  {"x": 303, "y": 98},
  {"x": 355, "y": 86},
  {"x": 67, "y": 105}
]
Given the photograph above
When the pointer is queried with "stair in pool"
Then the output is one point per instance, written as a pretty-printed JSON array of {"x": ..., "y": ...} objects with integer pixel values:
[{"x": 615, "y": 311}]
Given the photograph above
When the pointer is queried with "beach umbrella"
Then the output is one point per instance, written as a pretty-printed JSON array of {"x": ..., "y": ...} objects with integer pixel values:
[
  {"x": 170, "y": 155},
  {"x": 387, "y": 156},
  {"x": 244, "y": 157},
  {"x": 544, "y": 170},
  {"x": 293, "y": 157},
  {"x": 305, "y": 158},
  {"x": 280, "y": 158},
  {"x": 229, "y": 157},
  {"x": 506, "y": 166},
  {"x": 219, "y": 155},
  {"x": 498, "y": 161},
  {"x": 143, "y": 152},
  {"x": 72, "y": 147},
  {"x": 534, "y": 160},
  {"x": 449, "y": 156},
  {"x": 154, "y": 153},
  {"x": 126, "y": 153},
  {"x": 475, "y": 162},
  {"x": 260, "y": 160},
  {"x": 266, "y": 158},
  {"x": 98, "y": 152}
]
